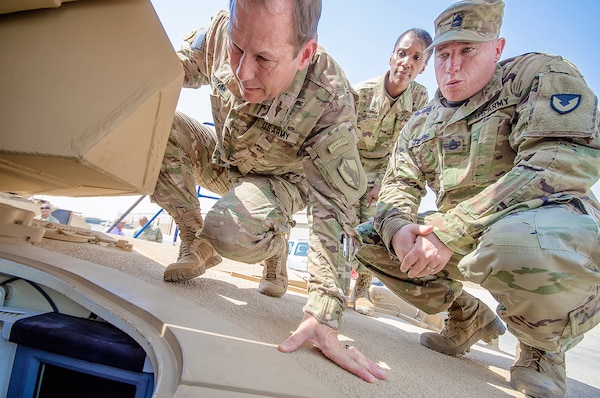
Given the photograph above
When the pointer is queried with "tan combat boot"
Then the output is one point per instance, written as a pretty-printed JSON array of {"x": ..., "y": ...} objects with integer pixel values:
[
  {"x": 360, "y": 295},
  {"x": 195, "y": 254},
  {"x": 274, "y": 279},
  {"x": 538, "y": 373},
  {"x": 469, "y": 320}
]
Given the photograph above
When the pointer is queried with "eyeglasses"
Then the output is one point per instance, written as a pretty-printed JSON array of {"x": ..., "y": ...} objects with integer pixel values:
[{"x": 45, "y": 208}]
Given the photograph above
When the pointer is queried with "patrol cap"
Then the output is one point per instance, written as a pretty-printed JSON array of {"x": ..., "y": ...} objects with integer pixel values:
[{"x": 473, "y": 21}]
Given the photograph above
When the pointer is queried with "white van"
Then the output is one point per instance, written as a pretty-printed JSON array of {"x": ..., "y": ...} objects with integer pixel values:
[{"x": 297, "y": 255}]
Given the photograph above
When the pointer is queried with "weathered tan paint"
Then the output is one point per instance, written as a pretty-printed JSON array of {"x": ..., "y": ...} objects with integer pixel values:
[{"x": 89, "y": 90}]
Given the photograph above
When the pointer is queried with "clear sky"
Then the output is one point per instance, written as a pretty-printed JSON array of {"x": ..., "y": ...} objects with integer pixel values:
[{"x": 360, "y": 35}]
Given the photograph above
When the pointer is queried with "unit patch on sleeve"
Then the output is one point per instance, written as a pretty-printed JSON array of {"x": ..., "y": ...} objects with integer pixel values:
[{"x": 565, "y": 103}]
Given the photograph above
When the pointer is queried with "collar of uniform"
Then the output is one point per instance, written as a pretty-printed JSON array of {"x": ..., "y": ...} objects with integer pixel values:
[
  {"x": 490, "y": 90},
  {"x": 401, "y": 99},
  {"x": 281, "y": 106},
  {"x": 405, "y": 100},
  {"x": 379, "y": 91},
  {"x": 224, "y": 82},
  {"x": 378, "y": 100}
]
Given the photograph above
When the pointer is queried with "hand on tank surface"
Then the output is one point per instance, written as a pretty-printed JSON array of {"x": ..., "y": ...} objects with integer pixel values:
[{"x": 326, "y": 339}]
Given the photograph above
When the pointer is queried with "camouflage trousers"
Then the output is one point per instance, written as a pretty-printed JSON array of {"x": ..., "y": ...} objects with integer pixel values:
[
  {"x": 364, "y": 213},
  {"x": 541, "y": 265},
  {"x": 255, "y": 212}
]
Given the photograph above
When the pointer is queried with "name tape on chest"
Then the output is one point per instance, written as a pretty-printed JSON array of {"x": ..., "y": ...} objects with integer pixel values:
[{"x": 276, "y": 131}]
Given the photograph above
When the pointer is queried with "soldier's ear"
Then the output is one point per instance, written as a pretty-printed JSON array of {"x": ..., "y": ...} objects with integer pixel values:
[
  {"x": 306, "y": 53},
  {"x": 499, "y": 46}
]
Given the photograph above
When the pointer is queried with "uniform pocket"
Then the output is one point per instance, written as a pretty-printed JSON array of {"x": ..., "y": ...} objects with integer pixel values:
[
  {"x": 562, "y": 227},
  {"x": 583, "y": 319}
]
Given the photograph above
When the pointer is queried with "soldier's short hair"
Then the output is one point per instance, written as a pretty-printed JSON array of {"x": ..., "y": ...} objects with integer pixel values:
[
  {"x": 423, "y": 36},
  {"x": 306, "y": 19}
]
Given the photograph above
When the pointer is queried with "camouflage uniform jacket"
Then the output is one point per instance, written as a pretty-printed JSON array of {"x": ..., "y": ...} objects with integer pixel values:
[
  {"x": 528, "y": 139},
  {"x": 297, "y": 135},
  {"x": 151, "y": 233},
  {"x": 380, "y": 121}
]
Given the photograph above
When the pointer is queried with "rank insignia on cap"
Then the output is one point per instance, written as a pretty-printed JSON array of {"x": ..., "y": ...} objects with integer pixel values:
[
  {"x": 565, "y": 103},
  {"x": 457, "y": 19}
]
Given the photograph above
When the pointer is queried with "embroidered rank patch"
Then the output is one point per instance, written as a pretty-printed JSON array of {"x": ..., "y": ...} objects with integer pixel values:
[
  {"x": 565, "y": 103},
  {"x": 453, "y": 144},
  {"x": 457, "y": 19}
]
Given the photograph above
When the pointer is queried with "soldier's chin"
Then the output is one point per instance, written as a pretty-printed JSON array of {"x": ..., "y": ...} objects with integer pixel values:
[{"x": 254, "y": 95}]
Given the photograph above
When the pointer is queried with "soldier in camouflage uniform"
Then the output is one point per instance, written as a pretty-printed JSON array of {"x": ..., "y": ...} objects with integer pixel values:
[
  {"x": 511, "y": 150},
  {"x": 280, "y": 145},
  {"x": 151, "y": 233},
  {"x": 284, "y": 140},
  {"x": 383, "y": 106}
]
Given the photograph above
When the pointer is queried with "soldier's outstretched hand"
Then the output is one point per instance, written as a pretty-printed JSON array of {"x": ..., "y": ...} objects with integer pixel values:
[{"x": 326, "y": 339}]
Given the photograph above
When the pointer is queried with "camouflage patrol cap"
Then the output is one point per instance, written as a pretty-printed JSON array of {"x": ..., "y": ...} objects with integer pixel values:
[{"x": 474, "y": 21}]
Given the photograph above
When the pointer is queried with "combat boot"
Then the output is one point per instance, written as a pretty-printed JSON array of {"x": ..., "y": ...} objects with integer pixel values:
[
  {"x": 469, "y": 320},
  {"x": 195, "y": 254},
  {"x": 274, "y": 279},
  {"x": 538, "y": 373},
  {"x": 360, "y": 295}
]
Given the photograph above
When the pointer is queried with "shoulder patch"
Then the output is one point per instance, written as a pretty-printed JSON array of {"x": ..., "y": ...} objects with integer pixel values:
[
  {"x": 198, "y": 38},
  {"x": 336, "y": 144},
  {"x": 349, "y": 170},
  {"x": 565, "y": 103}
]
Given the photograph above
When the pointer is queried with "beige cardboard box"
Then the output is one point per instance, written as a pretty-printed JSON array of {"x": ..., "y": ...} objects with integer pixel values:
[
  {"x": 87, "y": 95},
  {"x": 7, "y": 6}
]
